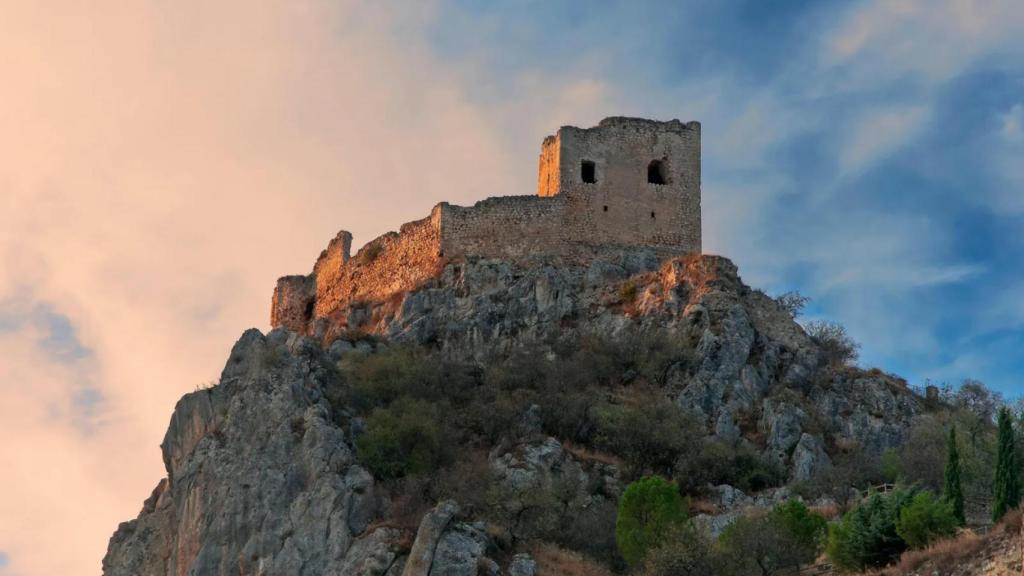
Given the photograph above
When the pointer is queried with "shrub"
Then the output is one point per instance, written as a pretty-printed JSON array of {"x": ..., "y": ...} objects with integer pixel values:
[
  {"x": 759, "y": 544},
  {"x": 792, "y": 303},
  {"x": 380, "y": 379},
  {"x": 648, "y": 510},
  {"x": 650, "y": 434},
  {"x": 628, "y": 292},
  {"x": 720, "y": 463},
  {"x": 525, "y": 369},
  {"x": 924, "y": 520},
  {"x": 835, "y": 342},
  {"x": 495, "y": 413},
  {"x": 866, "y": 536},
  {"x": 405, "y": 438},
  {"x": 592, "y": 532},
  {"x": 683, "y": 552},
  {"x": 889, "y": 465},
  {"x": 808, "y": 529}
]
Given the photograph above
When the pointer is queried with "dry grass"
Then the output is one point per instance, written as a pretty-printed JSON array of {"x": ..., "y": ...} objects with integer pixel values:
[
  {"x": 945, "y": 555},
  {"x": 1011, "y": 523},
  {"x": 554, "y": 561},
  {"x": 830, "y": 512},
  {"x": 700, "y": 506},
  {"x": 584, "y": 454},
  {"x": 942, "y": 556}
]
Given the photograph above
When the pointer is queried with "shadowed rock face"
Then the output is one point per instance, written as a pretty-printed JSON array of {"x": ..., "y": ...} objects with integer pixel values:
[{"x": 261, "y": 479}]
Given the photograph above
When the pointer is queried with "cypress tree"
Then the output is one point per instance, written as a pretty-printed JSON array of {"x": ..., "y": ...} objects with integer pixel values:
[
  {"x": 952, "y": 491},
  {"x": 1006, "y": 489}
]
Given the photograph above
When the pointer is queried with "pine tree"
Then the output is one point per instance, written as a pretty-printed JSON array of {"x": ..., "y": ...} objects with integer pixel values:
[
  {"x": 952, "y": 490},
  {"x": 1006, "y": 492}
]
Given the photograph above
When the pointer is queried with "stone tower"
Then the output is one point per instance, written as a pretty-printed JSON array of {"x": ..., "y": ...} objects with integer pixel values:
[{"x": 627, "y": 181}]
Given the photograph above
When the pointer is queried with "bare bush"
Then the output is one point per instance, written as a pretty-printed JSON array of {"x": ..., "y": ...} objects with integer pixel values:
[
  {"x": 835, "y": 342},
  {"x": 792, "y": 303}
]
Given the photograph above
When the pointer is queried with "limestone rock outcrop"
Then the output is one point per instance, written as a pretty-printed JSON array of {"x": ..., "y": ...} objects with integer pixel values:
[{"x": 262, "y": 476}]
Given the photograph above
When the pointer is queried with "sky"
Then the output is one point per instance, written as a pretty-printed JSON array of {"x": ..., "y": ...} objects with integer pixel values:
[{"x": 161, "y": 164}]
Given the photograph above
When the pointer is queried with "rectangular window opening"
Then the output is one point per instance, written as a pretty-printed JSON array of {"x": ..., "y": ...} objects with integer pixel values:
[{"x": 588, "y": 172}]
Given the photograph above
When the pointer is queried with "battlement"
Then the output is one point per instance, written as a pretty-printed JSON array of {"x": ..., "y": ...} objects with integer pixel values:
[{"x": 626, "y": 184}]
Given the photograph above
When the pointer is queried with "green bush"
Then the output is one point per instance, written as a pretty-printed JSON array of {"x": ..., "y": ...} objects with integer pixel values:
[
  {"x": 381, "y": 378},
  {"x": 648, "y": 510},
  {"x": 925, "y": 519},
  {"x": 651, "y": 434},
  {"x": 866, "y": 536},
  {"x": 720, "y": 463},
  {"x": 808, "y": 529},
  {"x": 684, "y": 551},
  {"x": 405, "y": 438},
  {"x": 759, "y": 544}
]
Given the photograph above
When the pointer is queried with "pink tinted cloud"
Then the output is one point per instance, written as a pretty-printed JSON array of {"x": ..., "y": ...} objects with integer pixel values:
[{"x": 162, "y": 164}]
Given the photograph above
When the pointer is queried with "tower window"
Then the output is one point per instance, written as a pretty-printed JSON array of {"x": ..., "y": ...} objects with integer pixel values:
[
  {"x": 588, "y": 172},
  {"x": 652, "y": 215},
  {"x": 605, "y": 208},
  {"x": 656, "y": 172}
]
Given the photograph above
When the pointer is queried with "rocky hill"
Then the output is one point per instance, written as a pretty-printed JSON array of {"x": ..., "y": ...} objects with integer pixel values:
[{"x": 267, "y": 472}]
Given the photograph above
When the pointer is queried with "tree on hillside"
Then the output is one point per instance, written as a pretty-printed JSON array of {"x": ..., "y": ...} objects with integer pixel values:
[
  {"x": 649, "y": 509},
  {"x": 867, "y": 536},
  {"x": 952, "y": 491},
  {"x": 1006, "y": 490},
  {"x": 925, "y": 520}
]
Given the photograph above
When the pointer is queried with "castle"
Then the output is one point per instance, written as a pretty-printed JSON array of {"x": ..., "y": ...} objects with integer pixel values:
[{"x": 624, "y": 185}]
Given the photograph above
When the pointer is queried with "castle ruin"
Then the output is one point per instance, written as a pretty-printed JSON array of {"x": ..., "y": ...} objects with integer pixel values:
[{"x": 624, "y": 185}]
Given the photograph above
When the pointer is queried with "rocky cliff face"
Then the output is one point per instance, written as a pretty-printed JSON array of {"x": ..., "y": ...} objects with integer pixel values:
[{"x": 262, "y": 471}]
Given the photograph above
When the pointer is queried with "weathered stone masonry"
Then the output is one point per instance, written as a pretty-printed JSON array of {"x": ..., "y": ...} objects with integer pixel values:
[{"x": 623, "y": 185}]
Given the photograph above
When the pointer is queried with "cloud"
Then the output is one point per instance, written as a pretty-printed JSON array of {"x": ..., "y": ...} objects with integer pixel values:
[
  {"x": 924, "y": 40},
  {"x": 879, "y": 132},
  {"x": 163, "y": 165},
  {"x": 1012, "y": 127}
]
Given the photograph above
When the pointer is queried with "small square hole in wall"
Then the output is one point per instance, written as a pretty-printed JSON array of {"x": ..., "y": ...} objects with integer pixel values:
[
  {"x": 588, "y": 172},
  {"x": 652, "y": 215},
  {"x": 605, "y": 208}
]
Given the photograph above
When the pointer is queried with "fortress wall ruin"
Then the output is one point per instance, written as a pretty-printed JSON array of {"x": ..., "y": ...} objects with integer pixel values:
[
  {"x": 390, "y": 264},
  {"x": 626, "y": 184},
  {"x": 511, "y": 227}
]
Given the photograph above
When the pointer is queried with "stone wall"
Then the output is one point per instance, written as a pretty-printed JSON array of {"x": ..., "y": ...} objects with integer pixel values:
[
  {"x": 511, "y": 227},
  {"x": 387, "y": 266},
  {"x": 548, "y": 173},
  {"x": 293, "y": 302}
]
